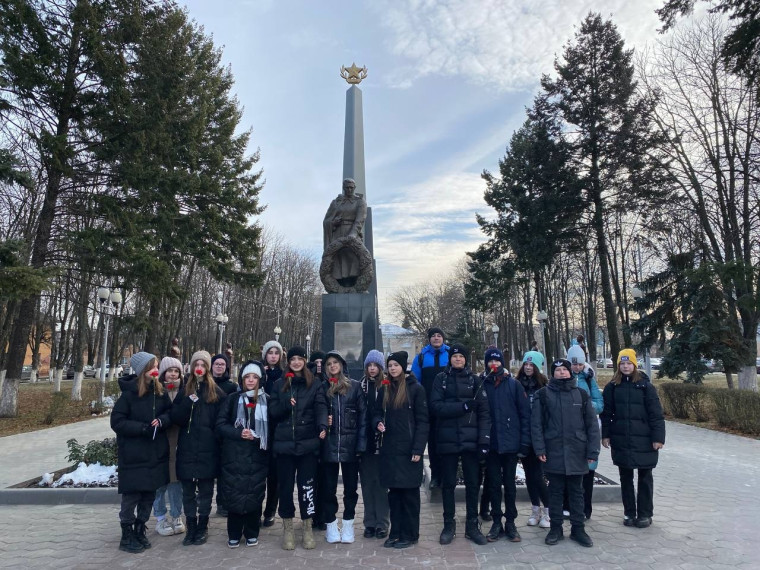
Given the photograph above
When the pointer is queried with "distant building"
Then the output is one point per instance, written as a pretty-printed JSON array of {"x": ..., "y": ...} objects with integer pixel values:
[{"x": 397, "y": 338}]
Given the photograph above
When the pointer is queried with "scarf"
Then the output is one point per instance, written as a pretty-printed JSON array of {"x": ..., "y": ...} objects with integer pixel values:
[{"x": 260, "y": 427}]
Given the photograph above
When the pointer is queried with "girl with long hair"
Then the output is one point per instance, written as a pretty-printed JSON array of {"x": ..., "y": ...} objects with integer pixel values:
[{"x": 271, "y": 354}]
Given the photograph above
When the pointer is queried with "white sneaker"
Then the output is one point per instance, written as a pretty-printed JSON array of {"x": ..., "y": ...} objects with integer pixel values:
[
  {"x": 179, "y": 526},
  {"x": 565, "y": 513},
  {"x": 332, "y": 535},
  {"x": 347, "y": 532},
  {"x": 535, "y": 516},
  {"x": 164, "y": 527},
  {"x": 545, "y": 521}
]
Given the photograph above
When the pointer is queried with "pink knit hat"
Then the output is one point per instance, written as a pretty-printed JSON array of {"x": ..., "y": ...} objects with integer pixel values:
[{"x": 169, "y": 362}]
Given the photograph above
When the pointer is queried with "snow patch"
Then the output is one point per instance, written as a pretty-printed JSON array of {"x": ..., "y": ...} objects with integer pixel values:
[
  {"x": 47, "y": 480},
  {"x": 95, "y": 475}
]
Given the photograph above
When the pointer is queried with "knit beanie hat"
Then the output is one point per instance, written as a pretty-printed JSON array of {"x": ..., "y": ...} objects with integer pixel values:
[
  {"x": 139, "y": 361},
  {"x": 267, "y": 346},
  {"x": 627, "y": 355},
  {"x": 576, "y": 355},
  {"x": 561, "y": 362},
  {"x": 336, "y": 354},
  {"x": 317, "y": 355},
  {"x": 376, "y": 357},
  {"x": 169, "y": 362},
  {"x": 251, "y": 368},
  {"x": 297, "y": 351},
  {"x": 223, "y": 357},
  {"x": 494, "y": 354},
  {"x": 534, "y": 357},
  {"x": 458, "y": 349},
  {"x": 435, "y": 330},
  {"x": 201, "y": 355},
  {"x": 402, "y": 357}
]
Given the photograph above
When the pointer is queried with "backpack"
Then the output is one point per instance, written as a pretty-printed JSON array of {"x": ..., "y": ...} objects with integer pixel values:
[{"x": 544, "y": 410}]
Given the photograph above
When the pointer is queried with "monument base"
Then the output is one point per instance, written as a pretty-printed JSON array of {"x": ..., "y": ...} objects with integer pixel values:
[{"x": 350, "y": 325}]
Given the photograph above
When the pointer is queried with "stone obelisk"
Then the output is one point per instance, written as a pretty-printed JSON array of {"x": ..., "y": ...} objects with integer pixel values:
[{"x": 350, "y": 320}]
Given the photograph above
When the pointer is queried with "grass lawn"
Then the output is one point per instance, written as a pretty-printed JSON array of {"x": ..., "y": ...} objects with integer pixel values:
[{"x": 36, "y": 404}]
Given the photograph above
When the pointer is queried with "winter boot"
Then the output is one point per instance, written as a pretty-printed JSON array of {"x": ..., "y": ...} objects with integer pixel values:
[
  {"x": 333, "y": 534},
  {"x": 308, "y": 535},
  {"x": 535, "y": 515},
  {"x": 449, "y": 532},
  {"x": 643, "y": 522},
  {"x": 140, "y": 535},
  {"x": 128, "y": 541},
  {"x": 578, "y": 534},
  {"x": 510, "y": 531},
  {"x": 192, "y": 528},
  {"x": 472, "y": 531},
  {"x": 554, "y": 536},
  {"x": 497, "y": 529},
  {"x": 201, "y": 534},
  {"x": 288, "y": 537},
  {"x": 545, "y": 521},
  {"x": 347, "y": 531}
]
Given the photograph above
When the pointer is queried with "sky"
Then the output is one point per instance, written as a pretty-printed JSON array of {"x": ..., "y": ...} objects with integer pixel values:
[{"x": 448, "y": 83}]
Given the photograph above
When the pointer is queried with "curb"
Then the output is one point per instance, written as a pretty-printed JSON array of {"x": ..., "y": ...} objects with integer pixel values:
[{"x": 81, "y": 496}]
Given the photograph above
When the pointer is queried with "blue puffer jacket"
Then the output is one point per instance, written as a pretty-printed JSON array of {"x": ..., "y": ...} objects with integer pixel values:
[
  {"x": 429, "y": 370},
  {"x": 586, "y": 381},
  {"x": 510, "y": 414}
]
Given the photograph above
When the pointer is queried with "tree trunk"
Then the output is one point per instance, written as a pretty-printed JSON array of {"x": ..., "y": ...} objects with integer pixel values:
[
  {"x": 76, "y": 386},
  {"x": 748, "y": 378},
  {"x": 729, "y": 379},
  {"x": 151, "y": 333},
  {"x": 610, "y": 310}
]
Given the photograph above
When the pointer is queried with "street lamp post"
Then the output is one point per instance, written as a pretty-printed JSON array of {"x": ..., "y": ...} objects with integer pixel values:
[
  {"x": 277, "y": 332},
  {"x": 109, "y": 304},
  {"x": 53, "y": 374},
  {"x": 221, "y": 324},
  {"x": 308, "y": 346},
  {"x": 542, "y": 318},
  {"x": 638, "y": 294},
  {"x": 495, "y": 331}
]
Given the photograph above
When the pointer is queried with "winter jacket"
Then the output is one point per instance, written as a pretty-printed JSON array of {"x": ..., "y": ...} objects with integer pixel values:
[
  {"x": 198, "y": 448},
  {"x": 406, "y": 434},
  {"x": 459, "y": 429},
  {"x": 434, "y": 361},
  {"x": 227, "y": 385},
  {"x": 530, "y": 385},
  {"x": 298, "y": 427},
  {"x": 370, "y": 388},
  {"x": 566, "y": 432},
  {"x": 143, "y": 460},
  {"x": 586, "y": 381},
  {"x": 347, "y": 437},
  {"x": 272, "y": 376},
  {"x": 244, "y": 465},
  {"x": 510, "y": 414},
  {"x": 173, "y": 432},
  {"x": 632, "y": 420}
]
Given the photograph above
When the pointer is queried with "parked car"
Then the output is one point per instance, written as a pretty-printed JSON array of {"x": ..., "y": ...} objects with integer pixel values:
[
  {"x": 88, "y": 372},
  {"x": 655, "y": 362},
  {"x": 119, "y": 371},
  {"x": 26, "y": 372},
  {"x": 604, "y": 363}
]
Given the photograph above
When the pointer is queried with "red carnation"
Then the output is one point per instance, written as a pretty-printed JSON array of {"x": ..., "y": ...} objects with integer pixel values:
[
  {"x": 170, "y": 386},
  {"x": 386, "y": 382},
  {"x": 250, "y": 405},
  {"x": 494, "y": 367},
  {"x": 333, "y": 380},
  {"x": 289, "y": 375},
  {"x": 153, "y": 373}
]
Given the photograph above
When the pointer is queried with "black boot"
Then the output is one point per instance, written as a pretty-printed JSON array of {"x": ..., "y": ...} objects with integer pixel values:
[
  {"x": 554, "y": 536},
  {"x": 140, "y": 535},
  {"x": 510, "y": 530},
  {"x": 472, "y": 531},
  {"x": 644, "y": 522},
  {"x": 578, "y": 534},
  {"x": 201, "y": 535},
  {"x": 128, "y": 541},
  {"x": 496, "y": 531},
  {"x": 449, "y": 532},
  {"x": 192, "y": 529}
]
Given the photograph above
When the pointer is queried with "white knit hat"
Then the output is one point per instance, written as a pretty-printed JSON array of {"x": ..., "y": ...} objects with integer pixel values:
[{"x": 267, "y": 346}]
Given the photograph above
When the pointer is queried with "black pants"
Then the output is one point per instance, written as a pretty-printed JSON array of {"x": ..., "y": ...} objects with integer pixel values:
[
  {"x": 350, "y": 485},
  {"x": 557, "y": 485},
  {"x": 219, "y": 495},
  {"x": 485, "y": 485},
  {"x": 136, "y": 501},
  {"x": 588, "y": 494},
  {"x": 635, "y": 504},
  {"x": 243, "y": 524},
  {"x": 501, "y": 473},
  {"x": 433, "y": 457},
  {"x": 471, "y": 472},
  {"x": 272, "y": 495},
  {"x": 300, "y": 468},
  {"x": 196, "y": 497},
  {"x": 534, "y": 480},
  {"x": 405, "y": 514},
  {"x": 320, "y": 485}
]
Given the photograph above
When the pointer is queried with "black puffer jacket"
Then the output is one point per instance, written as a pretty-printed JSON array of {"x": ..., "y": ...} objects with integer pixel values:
[
  {"x": 566, "y": 432},
  {"x": 632, "y": 420},
  {"x": 347, "y": 437},
  {"x": 226, "y": 384},
  {"x": 272, "y": 376},
  {"x": 406, "y": 434},
  {"x": 143, "y": 460},
  {"x": 244, "y": 464},
  {"x": 370, "y": 387},
  {"x": 198, "y": 447},
  {"x": 298, "y": 427},
  {"x": 457, "y": 429}
]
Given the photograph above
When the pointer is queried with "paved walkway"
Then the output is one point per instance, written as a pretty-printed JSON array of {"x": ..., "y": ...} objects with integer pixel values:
[{"x": 707, "y": 515}]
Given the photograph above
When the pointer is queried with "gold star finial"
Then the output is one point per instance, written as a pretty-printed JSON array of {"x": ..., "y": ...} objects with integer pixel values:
[{"x": 353, "y": 75}]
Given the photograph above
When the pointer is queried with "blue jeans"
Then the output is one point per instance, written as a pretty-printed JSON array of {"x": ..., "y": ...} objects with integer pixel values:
[{"x": 175, "y": 500}]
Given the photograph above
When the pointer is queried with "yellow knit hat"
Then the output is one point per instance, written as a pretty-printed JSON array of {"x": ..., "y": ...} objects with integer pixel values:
[{"x": 627, "y": 354}]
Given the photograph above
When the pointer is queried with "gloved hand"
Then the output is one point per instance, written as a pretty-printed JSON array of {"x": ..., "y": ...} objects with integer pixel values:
[
  {"x": 468, "y": 405},
  {"x": 524, "y": 451}
]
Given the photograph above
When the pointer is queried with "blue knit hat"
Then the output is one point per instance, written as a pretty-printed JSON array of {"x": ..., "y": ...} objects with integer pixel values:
[
  {"x": 375, "y": 357},
  {"x": 494, "y": 354},
  {"x": 139, "y": 361},
  {"x": 535, "y": 358}
]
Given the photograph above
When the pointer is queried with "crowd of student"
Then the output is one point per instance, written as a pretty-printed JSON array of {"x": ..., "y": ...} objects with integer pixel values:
[{"x": 288, "y": 422}]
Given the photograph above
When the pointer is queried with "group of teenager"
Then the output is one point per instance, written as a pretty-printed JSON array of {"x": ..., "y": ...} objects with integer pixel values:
[{"x": 292, "y": 421}]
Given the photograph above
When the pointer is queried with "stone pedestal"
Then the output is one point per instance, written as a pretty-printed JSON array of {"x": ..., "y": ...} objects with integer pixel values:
[{"x": 349, "y": 325}]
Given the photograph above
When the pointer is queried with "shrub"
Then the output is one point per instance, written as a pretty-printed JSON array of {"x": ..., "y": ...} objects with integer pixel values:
[
  {"x": 684, "y": 400},
  {"x": 738, "y": 409},
  {"x": 104, "y": 452},
  {"x": 58, "y": 404}
]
